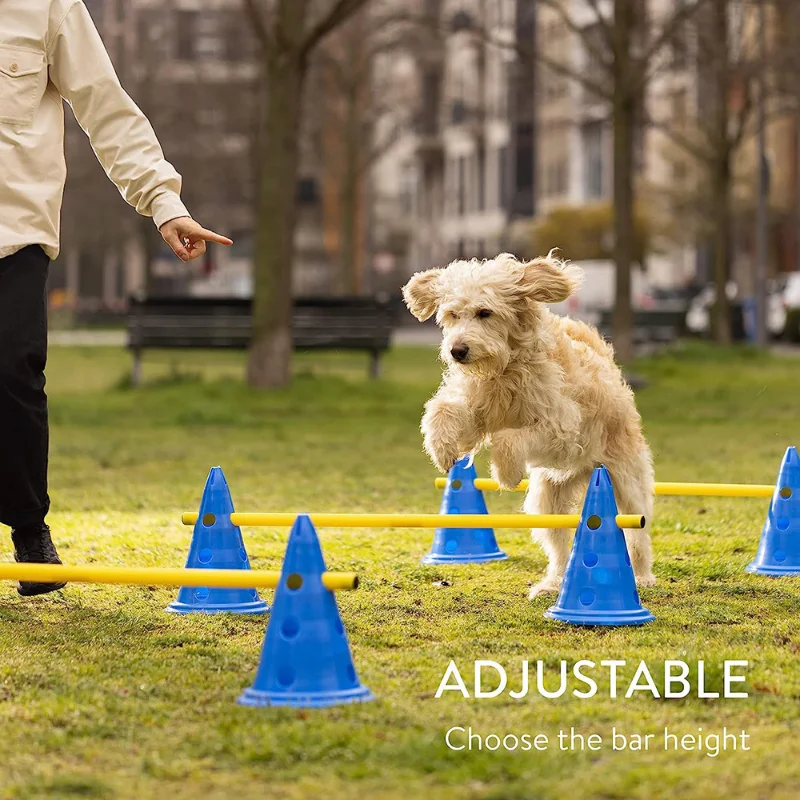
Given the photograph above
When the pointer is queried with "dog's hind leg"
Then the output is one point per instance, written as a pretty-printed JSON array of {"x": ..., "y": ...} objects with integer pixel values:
[
  {"x": 549, "y": 495},
  {"x": 633, "y": 487}
]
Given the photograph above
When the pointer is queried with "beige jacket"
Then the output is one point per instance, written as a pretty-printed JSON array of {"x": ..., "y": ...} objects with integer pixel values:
[{"x": 49, "y": 50}]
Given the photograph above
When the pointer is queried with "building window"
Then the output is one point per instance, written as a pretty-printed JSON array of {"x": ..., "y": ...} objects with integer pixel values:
[
  {"x": 407, "y": 188},
  {"x": 185, "y": 37},
  {"x": 592, "y": 141},
  {"x": 199, "y": 37},
  {"x": 154, "y": 39},
  {"x": 461, "y": 185},
  {"x": 502, "y": 174},
  {"x": 594, "y": 52},
  {"x": 679, "y": 45},
  {"x": 680, "y": 106},
  {"x": 556, "y": 178},
  {"x": 481, "y": 176}
]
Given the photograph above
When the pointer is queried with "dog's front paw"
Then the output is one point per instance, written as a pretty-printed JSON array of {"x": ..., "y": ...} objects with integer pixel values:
[
  {"x": 646, "y": 580},
  {"x": 443, "y": 454},
  {"x": 508, "y": 476},
  {"x": 546, "y": 586}
]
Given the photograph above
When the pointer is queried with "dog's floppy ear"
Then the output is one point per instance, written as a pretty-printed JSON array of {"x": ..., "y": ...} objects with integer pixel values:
[
  {"x": 421, "y": 293},
  {"x": 549, "y": 280}
]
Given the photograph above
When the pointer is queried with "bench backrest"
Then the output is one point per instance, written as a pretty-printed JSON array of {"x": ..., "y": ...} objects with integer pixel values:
[
  {"x": 206, "y": 322},
  {"x": 650, "y": 325}
]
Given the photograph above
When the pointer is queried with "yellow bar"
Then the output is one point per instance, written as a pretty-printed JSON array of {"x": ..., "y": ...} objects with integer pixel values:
[
  {"x": 716, "y": 489},
  {"x": 422, "y": 520},
  {"x": 156, "y": 576},
  {"x": 675, "y": 489}
]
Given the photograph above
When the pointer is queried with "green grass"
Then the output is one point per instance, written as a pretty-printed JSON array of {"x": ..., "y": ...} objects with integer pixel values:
[{"x": 104, "y": 695}]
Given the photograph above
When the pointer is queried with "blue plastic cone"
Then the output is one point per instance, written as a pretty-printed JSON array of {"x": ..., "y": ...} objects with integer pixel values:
[
  {"x": 779, "y": 551},
  {"x": 598, "y": 586},
  {"x": 306, "y": 660},
  {"x": 216, "y": 544},
  {"x": 463, "y": 545}
]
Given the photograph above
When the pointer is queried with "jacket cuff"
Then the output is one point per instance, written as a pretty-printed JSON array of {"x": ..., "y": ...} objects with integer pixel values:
[{"x": 168, "y": 206}]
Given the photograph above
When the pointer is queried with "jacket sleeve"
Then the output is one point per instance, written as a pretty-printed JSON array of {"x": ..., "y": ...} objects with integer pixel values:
[{"x": 120, "y": 134}]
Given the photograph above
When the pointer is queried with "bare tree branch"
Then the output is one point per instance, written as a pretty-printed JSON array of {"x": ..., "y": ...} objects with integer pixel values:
[
  {"x": 559, "y": 7},
  {"x": 667, "y": 33},
  {"x": 604, "y": 24},
  {"x": 258, "y": 22},
  {"x": 679, "y": 139},
  {"x": 339, "y": 13}
]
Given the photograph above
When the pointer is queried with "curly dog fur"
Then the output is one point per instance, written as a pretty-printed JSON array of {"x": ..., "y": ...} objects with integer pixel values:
[{"x": 541, "y": 390}]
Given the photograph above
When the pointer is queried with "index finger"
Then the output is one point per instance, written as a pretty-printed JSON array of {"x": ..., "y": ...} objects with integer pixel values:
[{"x": 210, "y": 236}]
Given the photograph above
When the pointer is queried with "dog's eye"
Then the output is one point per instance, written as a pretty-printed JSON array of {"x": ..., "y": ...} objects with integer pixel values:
[{"x": 484, "y": 313}]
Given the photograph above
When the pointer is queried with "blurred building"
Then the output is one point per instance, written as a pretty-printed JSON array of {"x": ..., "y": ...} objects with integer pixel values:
[
  {"x": 463, "y": 175},
  {"x": 575, "y": 137},
  {"x": 575, "y": 145},
  {"x": 193, "y": 67}
]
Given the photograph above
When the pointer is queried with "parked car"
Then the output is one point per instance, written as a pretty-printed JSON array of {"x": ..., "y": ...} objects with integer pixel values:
[
  {"x": 791, "y": 304},
  {"x": 698, "y": 315}
]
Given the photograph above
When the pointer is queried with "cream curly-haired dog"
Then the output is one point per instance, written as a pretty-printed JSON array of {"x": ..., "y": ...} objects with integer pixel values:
[{"x": 543, "y": 391}]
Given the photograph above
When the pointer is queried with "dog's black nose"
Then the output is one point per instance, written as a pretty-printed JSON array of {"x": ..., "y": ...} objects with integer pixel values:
[{"x": 460, "y": 353}]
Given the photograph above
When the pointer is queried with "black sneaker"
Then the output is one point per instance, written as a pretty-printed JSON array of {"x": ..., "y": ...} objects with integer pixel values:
[{"x": 33, "y": 545}]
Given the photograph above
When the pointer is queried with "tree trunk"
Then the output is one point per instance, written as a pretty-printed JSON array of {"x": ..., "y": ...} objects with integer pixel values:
[
  {"x": 721, "y": 177},
  {"x": 269, "y": 358},
  {"x": 721, "y": 311},
  {"x": 349, "y": 200},
  {"x": 624, "y": 123}
]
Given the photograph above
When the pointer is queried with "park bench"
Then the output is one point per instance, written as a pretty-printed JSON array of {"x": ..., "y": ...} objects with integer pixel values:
[
  {"x": 330, "y": 323},
  {"x": 650, "y": 326}
]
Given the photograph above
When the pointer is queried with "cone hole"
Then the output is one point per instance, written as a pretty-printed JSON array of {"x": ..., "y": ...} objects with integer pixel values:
[
  {"x": 451, "y": 545},
  {"x": 780, "y": 556},
  {"x": 786, "y": 492},
  {"x": 351, "y": 674},
  {"x": 290, "y": 627},
  {"x": 242, "y": 554},
  {"x": 590, "y": 559},
  {"x": 285, "y": 676},
  {"x": 294, "y": 581},
  {"x": 456, "y": 484},
  {"x": 782, "y": 523},
  {"x": 594, "y": 522},
  {"x": 205, "y": 556},
  {"x": 209, "y": 520},
  {"x": 201, "y": 593},
  {"x": 586, "y": 597}
]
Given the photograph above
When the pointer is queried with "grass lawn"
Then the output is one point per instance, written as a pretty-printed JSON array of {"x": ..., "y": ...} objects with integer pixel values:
[{"x": 102, "y": 694}]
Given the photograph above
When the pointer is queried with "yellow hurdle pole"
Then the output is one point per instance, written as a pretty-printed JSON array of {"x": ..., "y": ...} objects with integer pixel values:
[
  {"x": 671, "y": 489},
  {"x": 157, "y": 576},
  {"x": 419, "y": 520}
]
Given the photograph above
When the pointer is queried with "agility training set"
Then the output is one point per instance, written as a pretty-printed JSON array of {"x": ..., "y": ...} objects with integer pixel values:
[{"x": 306, "y": 660}]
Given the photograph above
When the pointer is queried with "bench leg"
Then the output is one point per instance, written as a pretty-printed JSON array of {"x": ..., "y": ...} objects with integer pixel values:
[
  {"x": 136, "y": 372},
  {"x": 375, "y": 365}
]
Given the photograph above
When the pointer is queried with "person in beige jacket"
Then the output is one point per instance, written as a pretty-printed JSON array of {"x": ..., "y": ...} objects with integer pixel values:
[{"x": 50, "y": 51}]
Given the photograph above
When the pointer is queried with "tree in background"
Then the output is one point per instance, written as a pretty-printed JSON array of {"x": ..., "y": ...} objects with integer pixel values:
[
  {"x": 621, "y": 52},
  {"x": 359, "y": 113},
  {"x": 711, "y": 140},
  {"x": 289, "y": 32},
  {"x": 586, "y": 233}
]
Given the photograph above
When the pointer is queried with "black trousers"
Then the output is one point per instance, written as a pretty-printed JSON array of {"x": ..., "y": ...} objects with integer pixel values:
[{"x": 24, "y": 435}]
